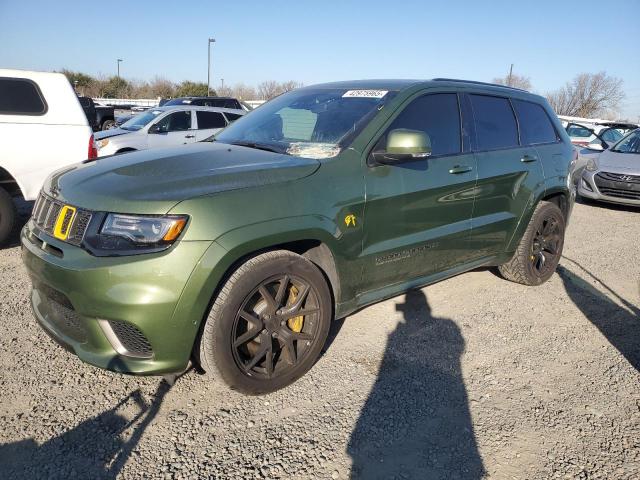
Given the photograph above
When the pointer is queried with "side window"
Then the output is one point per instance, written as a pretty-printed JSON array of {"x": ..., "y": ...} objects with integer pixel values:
[
  {"x": 20, "y": 96},
  {"x": 210, "y": 120},
  {"x": 438, "y": 116},
  {"x": 576, "y": 131},
  {"x": 535, "y": 126},
  {"x": 232, "y": 103},
  {"x": 611, "y": 135},
  {"x": 176, "y": 122},
  {"x": 495, "y": 122},
  {"x": 232, "y": 116}
]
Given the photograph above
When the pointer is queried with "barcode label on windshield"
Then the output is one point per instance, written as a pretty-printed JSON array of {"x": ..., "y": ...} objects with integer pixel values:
[{"x": 365, "y": 93}]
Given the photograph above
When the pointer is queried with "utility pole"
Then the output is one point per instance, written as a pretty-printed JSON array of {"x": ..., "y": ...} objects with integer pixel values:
[
  {"x": 221, "y": 83},
  {"x": 211, "y": 40},
  {"x": 510, "y": 76},
  {"x": 118, "y": 87}
]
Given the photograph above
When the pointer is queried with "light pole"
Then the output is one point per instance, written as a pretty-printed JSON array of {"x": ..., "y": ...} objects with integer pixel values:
[
  {"x": 211, "y": 40},
  {"x": 118, "y": 87}
]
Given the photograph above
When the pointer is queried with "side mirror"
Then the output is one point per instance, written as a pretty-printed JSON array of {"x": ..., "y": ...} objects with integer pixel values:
[
  {"x": 403, "y": 145},
  {"x": 157, "y": 128}
]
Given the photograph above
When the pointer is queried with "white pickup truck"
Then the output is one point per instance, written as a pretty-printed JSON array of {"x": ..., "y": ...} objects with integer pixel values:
[{"x": 42, "y": 128}]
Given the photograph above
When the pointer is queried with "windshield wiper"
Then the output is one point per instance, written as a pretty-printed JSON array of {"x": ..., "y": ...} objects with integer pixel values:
[{"x": 258, "y": 146}]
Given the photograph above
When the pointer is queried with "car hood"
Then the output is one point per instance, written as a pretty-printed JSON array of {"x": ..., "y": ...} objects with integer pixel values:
[
  {"x": 624, "y": 162},
  {"x": 113, "y": 132},
  {"x": 153, "y": 181}
]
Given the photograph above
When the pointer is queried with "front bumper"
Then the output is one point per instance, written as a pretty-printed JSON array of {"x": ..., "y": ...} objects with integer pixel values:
[
  {"x": 131, "y": 314},
  {"x": 595, "y": 186}
]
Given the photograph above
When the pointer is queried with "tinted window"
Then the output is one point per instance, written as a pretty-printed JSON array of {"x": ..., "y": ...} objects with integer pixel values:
[
  {"x": 19, "y": 96},
  {"x": 576, "y": 131},
  {"x": 535, "y": 126},
  {"x": 629, "y": 144},
  {"x": 176, "y": 122},
  {"x": 232, "y": 103},
  {"x": 438, "y": 116},
  {"x": 210, "y": 120},
  {"x": 611, "y": 135},
  {"x": 495, "y": 122},
  {"x": 232, "y": 116}
]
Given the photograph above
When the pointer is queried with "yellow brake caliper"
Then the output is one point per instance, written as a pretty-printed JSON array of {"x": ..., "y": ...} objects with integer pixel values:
[{"x": 295, "y": 323}]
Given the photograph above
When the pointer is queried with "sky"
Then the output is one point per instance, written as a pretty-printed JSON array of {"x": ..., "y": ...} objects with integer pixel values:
[{"x": 312, "y": 42}]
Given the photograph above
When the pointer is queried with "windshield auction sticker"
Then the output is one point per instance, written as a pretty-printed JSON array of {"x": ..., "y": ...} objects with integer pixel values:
[{"x": 365, "y": 93}]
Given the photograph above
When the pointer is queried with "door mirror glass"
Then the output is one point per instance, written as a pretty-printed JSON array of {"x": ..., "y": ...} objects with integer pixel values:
[{"x": 404, "y": 145}]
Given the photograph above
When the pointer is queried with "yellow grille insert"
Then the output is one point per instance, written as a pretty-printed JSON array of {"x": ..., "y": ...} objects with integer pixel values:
[{"x": 63, "y": 222}]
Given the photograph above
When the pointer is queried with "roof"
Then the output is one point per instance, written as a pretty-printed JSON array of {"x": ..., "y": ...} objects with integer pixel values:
[
  {"x": 400, "y": 84},
  {"x": 187, "y": 106}
]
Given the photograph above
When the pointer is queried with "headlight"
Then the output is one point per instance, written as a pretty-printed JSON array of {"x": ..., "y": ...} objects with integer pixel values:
[
  {"x": 131, "y": 234},
  {"x": 102, "y": 143},
  {"x": 592, "y": 165}
]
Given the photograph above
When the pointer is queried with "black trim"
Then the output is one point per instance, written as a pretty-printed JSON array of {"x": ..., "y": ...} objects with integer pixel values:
[{"x": 38, "y": 91}]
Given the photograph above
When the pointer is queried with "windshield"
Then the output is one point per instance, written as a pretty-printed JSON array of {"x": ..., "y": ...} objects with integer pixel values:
[
  {"x": 139, "y": 121},
  {"x": 312, "y": 123},
  {"x": 177, "y": 101},
  {"x": 629, "y": 144}
]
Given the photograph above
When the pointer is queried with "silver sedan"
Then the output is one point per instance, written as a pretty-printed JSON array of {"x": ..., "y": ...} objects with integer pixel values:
[{"x": 614, "y": 175}]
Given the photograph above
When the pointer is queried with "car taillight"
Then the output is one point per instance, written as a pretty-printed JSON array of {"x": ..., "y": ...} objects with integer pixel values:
[{"x": 93, "y": 151}]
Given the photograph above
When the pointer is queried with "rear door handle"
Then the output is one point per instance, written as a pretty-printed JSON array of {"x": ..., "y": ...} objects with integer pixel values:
[
  {"x": 460, "y": 169},
  {"x": 189, "y": 136},
  {"x": 528, "y": 158}
]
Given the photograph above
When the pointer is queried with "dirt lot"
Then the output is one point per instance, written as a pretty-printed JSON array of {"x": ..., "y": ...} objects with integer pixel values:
[{"x": 472, "y": 377}]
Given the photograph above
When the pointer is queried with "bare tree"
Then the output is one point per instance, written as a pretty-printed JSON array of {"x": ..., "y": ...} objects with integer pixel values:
[
  {"x": 290, "y": 85},
  {"x": 588, "y": 95},
  {"x": 244, "y": 92},
  {"x": 268, "y": 89},
  {"x": 517, "y": 81}
]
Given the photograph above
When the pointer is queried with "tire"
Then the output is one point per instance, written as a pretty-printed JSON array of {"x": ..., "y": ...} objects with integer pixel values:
[
  {"x": 256, "y": 344},
  {"x": 107, "y": 124},
  {"x": 7, "y": 215},
  {"x": 538, "y": 253}
]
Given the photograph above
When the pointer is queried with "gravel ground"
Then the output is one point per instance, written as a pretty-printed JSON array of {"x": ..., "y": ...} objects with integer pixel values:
[{"x": 472, "y": 377}]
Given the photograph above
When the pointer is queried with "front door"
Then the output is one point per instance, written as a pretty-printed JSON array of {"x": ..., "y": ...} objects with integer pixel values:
[
  {"x": 418, "y": 213},
  {"x": 173, "y": 129},
  {"x": 509, "y": 172}
]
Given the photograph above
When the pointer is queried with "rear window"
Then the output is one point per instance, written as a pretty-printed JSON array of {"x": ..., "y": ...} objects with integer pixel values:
[
  {"x": 210, "y": 120},
  {"x": 495, "y": 122},
  {"x": 576, "y": 131},
  {"x": 535, "y": 126},
  {"x": 232, "y": 116},
  {"x": 21, "y": 96}
]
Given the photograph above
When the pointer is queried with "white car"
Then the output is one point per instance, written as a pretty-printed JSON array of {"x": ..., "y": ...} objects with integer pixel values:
[
  {"x": 165, "y": 127},
  {"x": 587, "y": 132},
  {"x": 42, "y": 128}
]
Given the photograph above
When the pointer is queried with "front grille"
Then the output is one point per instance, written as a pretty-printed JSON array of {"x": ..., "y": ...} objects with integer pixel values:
[
  {"x": 61, "y": 313},
  {"x": 614, "y": 192},
  {"x": 619, "y": 177},
  {"x": 132, "y": 339},
  {"x": 45, "y": 214}
]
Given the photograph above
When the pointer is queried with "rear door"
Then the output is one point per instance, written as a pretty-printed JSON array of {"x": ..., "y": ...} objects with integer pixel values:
[
  {"x": 176, "y": 128},
  {"x": 508, "y": 174},
  {"x": 418, "y": 213},
  {"x": 208, "y": 123}
]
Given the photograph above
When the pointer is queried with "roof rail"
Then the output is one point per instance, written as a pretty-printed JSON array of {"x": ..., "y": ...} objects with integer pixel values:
[{"x": 475, "y": 82}]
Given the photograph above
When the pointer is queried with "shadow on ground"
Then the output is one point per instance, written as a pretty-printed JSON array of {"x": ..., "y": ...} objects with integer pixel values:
[
  {"x": 618, "y": 322},
  {"x": 416, "y": 422},
  {"x": 23, "y": 209},
  {"x": 97, "y": 448}
]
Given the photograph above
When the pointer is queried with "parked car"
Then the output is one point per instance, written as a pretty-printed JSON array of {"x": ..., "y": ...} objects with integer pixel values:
[
  {"x": 614, "y": 175},
  {"x": 42, "y": 128},
  {"x": 589, "y": 132},
  {"x": 100, "y": 117},
  {"x": 220, "y": 102},
  {"x": 165, "y": 127},
  {"x": 239, "y": 252}
]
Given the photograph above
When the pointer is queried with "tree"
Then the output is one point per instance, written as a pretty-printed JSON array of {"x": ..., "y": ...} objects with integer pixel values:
[
  {"x": 244, "y": 92},
  {"x": 192, "y": 89},
  {"x": 270, "y": 88},
  {"x": 114, "y": 87},
  {"x": 517, "y": 81},
  {"x": 588, "y": 95}
]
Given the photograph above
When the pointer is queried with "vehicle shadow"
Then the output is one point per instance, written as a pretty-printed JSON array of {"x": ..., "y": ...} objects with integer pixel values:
[
  {"x": 97, "y": 448},
  {"x": 416, "y": 422},
  {"x": 24, "y": 209},
  {"x": 620, "y": 324},
  {"x": 608, "y": 205}
]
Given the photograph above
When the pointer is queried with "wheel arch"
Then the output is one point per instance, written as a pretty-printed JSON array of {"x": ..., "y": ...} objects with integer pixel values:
[{"x": 10, "y": 183}]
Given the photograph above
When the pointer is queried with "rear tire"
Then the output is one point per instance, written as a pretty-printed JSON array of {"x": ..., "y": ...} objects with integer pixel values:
[
  {"x": 107, "y": 124},
  {"x": 267, "y": 325},
  {"x": 540, "y": 247},
  {"x": 7, "y": 215}
]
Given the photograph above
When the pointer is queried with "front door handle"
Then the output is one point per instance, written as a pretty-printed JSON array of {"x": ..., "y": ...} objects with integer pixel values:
[
  {"x": 460, "y": 169},
  {"x": 528, "y": 158},
  {"x": 189, "y": 136}
]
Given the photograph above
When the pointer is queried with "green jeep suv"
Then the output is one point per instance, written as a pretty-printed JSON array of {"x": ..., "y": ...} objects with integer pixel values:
[{"x": 237, "y": 253}]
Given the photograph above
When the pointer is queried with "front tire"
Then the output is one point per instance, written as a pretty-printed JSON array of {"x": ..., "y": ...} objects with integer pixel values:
[
  {"x": 7, "y": 215},
  {"x": 268, "y": 324},
  {"x": 108, "y": 124},
  {"x": 540, "y": 248}
]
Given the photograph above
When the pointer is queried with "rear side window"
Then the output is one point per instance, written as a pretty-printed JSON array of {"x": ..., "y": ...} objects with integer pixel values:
[
  {"x": 438, "y": 116},
  {"x": 210, "y": 120},
  {"x": 20, "y": 96},
  {"x": 495, "y": 123},
  {"x": 535, "y": 126}
]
